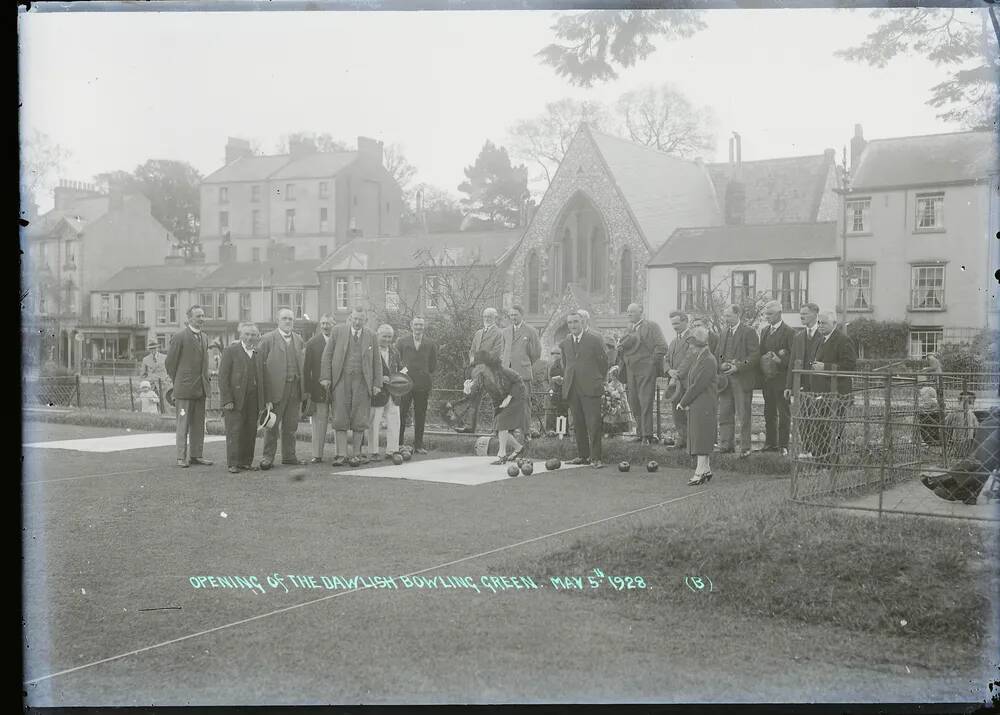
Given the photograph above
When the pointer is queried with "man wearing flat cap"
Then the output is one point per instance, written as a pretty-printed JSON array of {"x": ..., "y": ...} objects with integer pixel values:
[{"x": 154, "y": 369}]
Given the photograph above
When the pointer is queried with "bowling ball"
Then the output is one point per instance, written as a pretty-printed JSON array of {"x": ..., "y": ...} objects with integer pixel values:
[
  {"x": 513, "y": 470},
  {"x": 624, "y": 466},
  {"x": 535, "y": 434},
  {"x": 652, "y": 466},
  {"x": 552, "y": 463},
  {"x": 397, "y": 458},
  {"x": 407, "y": 456},
  {"x": 354, "y": 461},
  {"x": 527, "y": 468}
]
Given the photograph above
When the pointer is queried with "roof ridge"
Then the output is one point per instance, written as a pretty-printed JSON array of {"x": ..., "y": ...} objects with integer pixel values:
[
  {"x": 761, "y": 161},
  {"x": 928, "y": 136},
  {"x": 755, "y": 225}
]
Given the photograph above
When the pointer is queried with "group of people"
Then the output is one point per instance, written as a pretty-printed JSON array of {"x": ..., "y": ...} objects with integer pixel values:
[{"x": 339, "y": 377}]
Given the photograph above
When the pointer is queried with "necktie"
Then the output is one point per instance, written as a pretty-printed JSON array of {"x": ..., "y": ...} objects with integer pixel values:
[{"x": 355, "y": 334}]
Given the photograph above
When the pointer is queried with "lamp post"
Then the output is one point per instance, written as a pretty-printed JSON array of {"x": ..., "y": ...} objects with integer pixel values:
[{"x": 846, "y": 273}]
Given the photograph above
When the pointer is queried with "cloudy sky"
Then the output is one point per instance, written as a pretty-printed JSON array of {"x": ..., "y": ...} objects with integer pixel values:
[{"x": 116, "y": 89}]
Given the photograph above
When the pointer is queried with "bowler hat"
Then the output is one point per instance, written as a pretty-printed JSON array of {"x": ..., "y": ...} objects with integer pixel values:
[
  {"x": 169, "y": 396},
  {"x": 266, "y": 420},
  {"x": 399, "y": 384}
]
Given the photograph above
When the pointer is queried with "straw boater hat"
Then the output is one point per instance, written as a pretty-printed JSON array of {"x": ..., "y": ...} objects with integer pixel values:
[
  {"x": 150, "y": 344},
  {"x": 267, "y": 419}
]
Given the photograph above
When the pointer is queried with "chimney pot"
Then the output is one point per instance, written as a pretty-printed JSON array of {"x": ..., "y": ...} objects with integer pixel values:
[{"x": 732, "y": 151}]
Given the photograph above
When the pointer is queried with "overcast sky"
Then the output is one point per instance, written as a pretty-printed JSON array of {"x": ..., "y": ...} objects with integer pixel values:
[{"x": 116, "y": 89}]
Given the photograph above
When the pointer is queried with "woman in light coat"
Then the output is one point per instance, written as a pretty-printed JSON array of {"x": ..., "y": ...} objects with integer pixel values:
[{"x": 700, "y": 400}]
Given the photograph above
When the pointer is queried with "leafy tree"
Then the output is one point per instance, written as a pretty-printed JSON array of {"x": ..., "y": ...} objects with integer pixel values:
[
  {"x": 955, "y": 37},
  {"x": 441, "y": 211},
  {"x": 398, "y": 166},
  {"x": 41, "y": 161},
  {"x": 596, "y": 41},
  {"x": 543, "y": 140},
  {"x": 496, "y": 189},
  {"x": 663, "y": 118},
  {"x": 173, "y": 190},
  {"x": 323, "y": 141}
]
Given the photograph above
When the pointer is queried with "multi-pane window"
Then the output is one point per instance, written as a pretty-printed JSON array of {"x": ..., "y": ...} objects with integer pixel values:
[
  {"x": 255, "y": 194},
  {"x": 324, "y": 189},
  {"x": 356, "y": 290},
  {"x": 140, "y": 308},
  {"x": 927, "y": 288},
  {"x": 214, "y": 305},
  {"x": 289, "y": 220},
  {"x": 392, "y": 301},
  {"x": 223, "y": 221},
  {"x": 324, "y": 220},
  {"x": 223, "y": 194},
  {"x": 294, "y": 300},
  {"x": 70, "y": 296},
  {"x": 322, "y": 252},
  {"x": 859, "y": 288},
  {"x": 858, "y": 215},
  {"x": 289, "y": 192},
  {"x": 341, "y": 293},
  {"x": 791, "y": 286},
  {"x": 743, "y": 285},
  {"x": 105, "y": 307},
  {"x": 930, "y": 211},
  {"x": 924, "y": 340},
  {"x": 255, "y": 255},
  {"x": 692, "y": 287},
  {"x": 70, "y": 247},
  {"x": 166, "y": 308},
  {"x": 245, "y": 307},
  {"x": 256, "y": 226},
  {"x": 432, "y": 291},
  {"x": 116, "y": 307}
]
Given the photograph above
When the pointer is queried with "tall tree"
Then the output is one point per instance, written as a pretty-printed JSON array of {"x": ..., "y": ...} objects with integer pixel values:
[
  {"x": 441, "y": 212},
  {"x": 41, "y": 161},
  {"x": 173, "y": 190},
  {"x": 965, "y": 39},
  {"x": 596, "y": 41},
  {"x": 398, "y": 166},
  {"x": 496, "y": 189},
  {"x": 543, "y": 140},
  {"x": 663, "y": 118}
]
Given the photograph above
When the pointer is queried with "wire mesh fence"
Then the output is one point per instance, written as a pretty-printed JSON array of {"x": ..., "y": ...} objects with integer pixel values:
[{"x": 903, "y": 442}]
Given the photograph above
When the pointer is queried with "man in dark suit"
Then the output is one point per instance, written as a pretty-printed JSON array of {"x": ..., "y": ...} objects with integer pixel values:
[
  {"x": 352, "y": 367},
  {"x": 837, "y": 352},
  {"x": 318, "y": 395},
  {"x": 775, "y": 356},
  {"x": 557, "y": 403},
  {"x": 489, "y": 339},
  {"x": 738, "y": 353},
  {"x": 418, "y": 357},
  {"x": 241, "y": 381},
  {"x": 676, "y": 357},
  {"x": 586, "y": 367},
  {"x": 282, "y": 353},
  {"x": 187, "y": 366},
  {"x": 641, "y": 357},
  {"x": 804, "y": 345},
  {"x": 521, "y": 350}
]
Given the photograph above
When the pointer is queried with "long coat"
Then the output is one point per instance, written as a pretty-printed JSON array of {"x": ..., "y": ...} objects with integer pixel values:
[
  {"x": 234, "y": 375},
  {"x": 273, "y": 354},
  {"x": 187, "y": 365},
  {"x": 489, "y": 340},
  {"x": 644, "y": 354},
  {"x": 804, "y": 349},
  {"x": 313, "y": 358},
  {"x": 780, "y": 339},
  {"x": 838, "y": 350},
  {"x": 335, "y": 354},
  {"x": 702, "y": 398},
  {"x": 586, "y": 365},
  {"x": 521, "y": 349},
  {"x": 742, "y": 349}
]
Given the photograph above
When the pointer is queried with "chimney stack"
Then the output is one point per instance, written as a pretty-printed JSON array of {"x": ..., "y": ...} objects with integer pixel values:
[
  {"x": 69, "y": 191},
  {"x": 370, "y": 149},
  {"x": 237, "y": 149},
  {"x": 732, "y": 152},
  {"x": 858, "y": 145},
  {"x": 300, "y": 146},
  {"x": 739, "y": 150}
]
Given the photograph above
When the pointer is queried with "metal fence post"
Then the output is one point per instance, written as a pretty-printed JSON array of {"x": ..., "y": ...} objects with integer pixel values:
[
  {"x": 104, "y": 392},
  {"x": 796, "y": 410},
  {"x": 78, "y": 390},
  {"x": 659, "y": 427},
  {"x": 131, "y": 394},
  {"x": 866, "y": 386},
  {"x": 160, "y": 395},
  {"x": 887, "y": 440}
]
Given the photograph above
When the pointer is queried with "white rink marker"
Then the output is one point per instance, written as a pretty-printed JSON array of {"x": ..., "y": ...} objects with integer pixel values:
[
  {"x": 469, "y": 471},
  {"x": 121, "y": 443}
]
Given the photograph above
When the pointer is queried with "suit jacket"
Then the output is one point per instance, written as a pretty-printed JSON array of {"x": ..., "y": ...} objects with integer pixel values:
[
  {"x": 521, "y": 349},
  {"x": 491, "y": 342},
  {"x": 273, "y": 354},
  {"x": 677, "y": 351},
  {"x": 643, "y": 355},
  {"x": 335, "y": 355},
  {"x": 187, "y": 365},
  {"x": 742, "y": 349},
  {"x": 585, "y": 365},
  {"x": 780, "y": 340},
  {"x": 804, "y": 349},
  {"x": 388, "y": 369},
  {"x": 838, "y": 350},
  {"x": 154, "y": 367},
  {"x": 311, "y": 363},
  {"x": 235, "y": 370},
  {"x": 420, "y": 364}
]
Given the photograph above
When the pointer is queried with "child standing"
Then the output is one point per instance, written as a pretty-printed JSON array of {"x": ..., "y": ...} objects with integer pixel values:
[{"x": 149, "y": 403}]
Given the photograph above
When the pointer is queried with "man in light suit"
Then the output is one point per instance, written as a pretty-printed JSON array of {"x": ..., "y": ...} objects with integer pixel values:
[
  {"x": 352, "y": 368},
  {"x": 187, "y": 366},
  {"x": 677, "y": 355},
  {"x": 241, "y": 382},
  {"x": 776, "y": 354},
  {"x": 282, "y": 353},
  {"x": 521, "y": 349},
  {"x": 489, "y": 339},
  {"x": 738, "y": 353},
  {"x": 318, "y": 395},
  {"x": 804, "y": 346},
  {"x": 586, "y": 368},
  {"x": 418, "y": 357},
  {"x": 641, "y": 357}
]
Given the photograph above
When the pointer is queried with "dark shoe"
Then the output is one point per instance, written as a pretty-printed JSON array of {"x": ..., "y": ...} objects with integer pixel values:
[
  {"x": 294, "y": 462},
  {"x": 202, "y": 462},
  {"x": 645, "y": 440},
  {"x": 339, "y": 461},
  {"x": 767, "y": 448},
  {"x": 363, "y": 459},
  {"x": 720, "y": 450},
  {"x": 744, "y": 455},
  {"x": 597, "y": 464},
  {"x": 653, "y": 439},
  {"x": 183, "y": 463},
  {"x": 233, "y": 470},
  {"x": 578, "y": 460},
  {"x": 265, "y": 464},
  {"x": 420, "y": 450},
  {"x": 464, "y": 430},
  {"x": 316, "y": 460},
  {"x": 246, "y": 467},
  {"x": 501, "y": 460}
]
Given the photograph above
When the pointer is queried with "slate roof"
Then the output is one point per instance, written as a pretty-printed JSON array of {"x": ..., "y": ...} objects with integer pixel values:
[
  {"x": 247, "y": 168},
  {"x": 749, "y": 244},
  {"x": 316, "y": 166},
  {"x": 926, "y": 160},
  {"x": 248, "y": 275},
  {"x": 282, "y": 166},
  {"x": 400, "y": 252},
  {"x": 662, "y": 191},
  {"x": 158, "y": 277},
  {"x": 785, "y": 190},
  {"x": 77, "y": 215}
]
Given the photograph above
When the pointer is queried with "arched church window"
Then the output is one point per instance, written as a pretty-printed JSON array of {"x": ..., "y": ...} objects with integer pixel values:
[
  {"x": 567, "y": 260},
  {"x": 598, "y": 258}
]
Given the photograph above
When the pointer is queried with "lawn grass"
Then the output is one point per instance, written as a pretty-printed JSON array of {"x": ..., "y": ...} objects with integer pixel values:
[{"x": 771, "y": 558}]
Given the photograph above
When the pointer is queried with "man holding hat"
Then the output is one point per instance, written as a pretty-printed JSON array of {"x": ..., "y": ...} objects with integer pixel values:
[
  {"x": 241, "y": 383},
  {"x": 418, "y": 357},
  {"x": 282, "y": 353},
  {"x": 187, "y": 365}
]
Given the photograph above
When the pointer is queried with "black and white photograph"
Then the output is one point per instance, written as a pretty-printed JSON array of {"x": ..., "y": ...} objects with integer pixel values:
[{"x": 508, "y": 353}]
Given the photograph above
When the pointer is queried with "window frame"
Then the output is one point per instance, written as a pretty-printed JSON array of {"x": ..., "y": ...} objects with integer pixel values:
[
  {"x": 246, "y": 307},
  {"x": 866, "y": 228},
  {"x": 798, "y": 295},
  {"x": 289, "y": 225},
  {"x": 289, "y": 192},
  {"x": 751, "y": 294},
  {"x": 925, "y": 331},
  {"x": 395, "y": 304},
  {"x": 938, "y": 211},
  {"x": 915, "y": 270},
  {"x": 342, "y": 302},
  {"x": 223, "y": 194},
  {"x": 324, "y": 220},
  {"x": 324, "y": 190},
  {"x": 849, "y": 307},
  {"x": 255, "y": 223},
  {"x": 104, "y": 308},
  {"x": 702, "y": 276},
  {"x": 431, "y": 290},
  {"x": 223, "y": 221}
]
